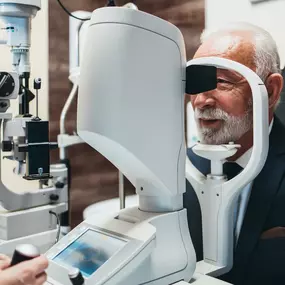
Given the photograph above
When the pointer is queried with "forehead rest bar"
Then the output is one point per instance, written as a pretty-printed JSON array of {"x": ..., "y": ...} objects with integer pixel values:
[{"x": 200, "y": 78}]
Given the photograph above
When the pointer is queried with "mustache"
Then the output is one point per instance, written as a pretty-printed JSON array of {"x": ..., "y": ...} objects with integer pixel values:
[{"x": 211, "y": 114}]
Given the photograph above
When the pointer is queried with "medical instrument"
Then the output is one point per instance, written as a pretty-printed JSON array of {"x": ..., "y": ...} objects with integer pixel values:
[
  {"x": 79, "y": 22},
  {"x": 130, "y": 109},
  {"x": 216, "y": 195},
  {"x": 26, "y": 141},
  {"x": 24, "y": 252}
]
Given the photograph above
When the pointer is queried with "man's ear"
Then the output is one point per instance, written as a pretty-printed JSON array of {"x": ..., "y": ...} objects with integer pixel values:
[{"x": 274, "y": 84}]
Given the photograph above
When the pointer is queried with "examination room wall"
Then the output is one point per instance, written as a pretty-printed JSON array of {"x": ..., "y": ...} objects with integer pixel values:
[{"x": 93, "y": 177}]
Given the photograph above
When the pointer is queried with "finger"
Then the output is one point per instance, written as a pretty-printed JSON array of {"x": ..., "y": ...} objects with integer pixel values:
[
  {"x": 36, "y": 265},
  {"x": 4, "y": 264},
  {"x": 4, "y": 257},
  {"x": 5, "y": 261},
  {"x": 24, "y": 272},
  {"x": 11, "y": 276},
  {"x": 26, "y": 277},
  {"x": 40, "y": 279}
]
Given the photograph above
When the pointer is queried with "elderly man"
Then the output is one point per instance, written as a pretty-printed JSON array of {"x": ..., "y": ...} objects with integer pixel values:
[{"x": 224, "y": 115}]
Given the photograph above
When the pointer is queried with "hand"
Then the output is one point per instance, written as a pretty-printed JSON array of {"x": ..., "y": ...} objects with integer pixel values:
[
  {"x": 30, "y": 272},
  {"x": 276, "y": 232}
]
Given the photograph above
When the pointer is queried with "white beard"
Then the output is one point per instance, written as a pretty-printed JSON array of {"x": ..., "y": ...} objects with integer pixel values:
[{"x": 232, "y": 129}]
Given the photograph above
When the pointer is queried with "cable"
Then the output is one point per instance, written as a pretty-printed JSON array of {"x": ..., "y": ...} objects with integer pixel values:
[
  {"x": 58, "y": 224},
  {"x": 63, "y": 116},
  {"x": 70, "y": 14},
  {"x": 111, "y": 3}
]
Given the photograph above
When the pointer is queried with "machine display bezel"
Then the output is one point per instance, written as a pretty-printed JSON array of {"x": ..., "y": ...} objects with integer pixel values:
[
  {"x": 119, "y": 237},
  {"x": 137, "y": 242}
]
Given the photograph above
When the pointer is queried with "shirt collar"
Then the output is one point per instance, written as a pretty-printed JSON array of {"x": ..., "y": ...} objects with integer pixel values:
[{"x": 244, "y": 159}]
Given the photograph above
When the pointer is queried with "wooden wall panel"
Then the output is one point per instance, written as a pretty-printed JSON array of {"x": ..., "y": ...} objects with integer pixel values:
[{"x": 93, "y": 177}]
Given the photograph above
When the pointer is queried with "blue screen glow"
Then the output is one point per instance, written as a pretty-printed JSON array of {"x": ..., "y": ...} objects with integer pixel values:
[{"x": 89, "y": 252}]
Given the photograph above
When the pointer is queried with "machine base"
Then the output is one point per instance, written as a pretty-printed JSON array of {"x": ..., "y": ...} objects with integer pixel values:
[
  {"x": 156, "y": 249},
  {"x": 43, "y": 241},
  {"x": 197, "y": 280},
  {"x": 35, "y": 220}
]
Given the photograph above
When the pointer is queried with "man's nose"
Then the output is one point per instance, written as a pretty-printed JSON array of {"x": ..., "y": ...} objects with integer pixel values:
[{"x": 203, "y": 100}]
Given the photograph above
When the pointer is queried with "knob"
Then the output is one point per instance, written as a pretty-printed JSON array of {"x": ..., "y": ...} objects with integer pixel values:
[
  {"x": 75, "y": 276},
  {"x": 7, "y": 84},
  {"x": 37, "y": 83},
  {"x": 24, "y": 252},
  {"x": 3, "y": 104},
  {"x": 54, "y": 197},
  {"x": 7, "y": 146},
  {"x": 59, "y": 185}
]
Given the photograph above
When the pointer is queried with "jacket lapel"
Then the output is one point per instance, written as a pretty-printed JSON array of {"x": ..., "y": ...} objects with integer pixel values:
[
  {"x": 202, "y": 164},
  {"x": 264, "y": 189}
]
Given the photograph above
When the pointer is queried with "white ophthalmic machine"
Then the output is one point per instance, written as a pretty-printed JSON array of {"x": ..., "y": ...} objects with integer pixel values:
[
  {"x": 132, "y": 83},
  {"x": 130, "y": 108}
]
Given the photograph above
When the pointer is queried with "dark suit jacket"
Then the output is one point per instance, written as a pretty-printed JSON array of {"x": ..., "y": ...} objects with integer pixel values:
[{"x": 256, "y": 261}]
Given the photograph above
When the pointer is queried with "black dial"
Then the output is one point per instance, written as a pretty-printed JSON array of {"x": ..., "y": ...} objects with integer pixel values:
[{"x": 7, "y": 84}]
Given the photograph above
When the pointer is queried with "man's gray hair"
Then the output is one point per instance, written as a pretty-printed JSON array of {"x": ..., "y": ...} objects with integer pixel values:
[{"x": 267, "y": 58}]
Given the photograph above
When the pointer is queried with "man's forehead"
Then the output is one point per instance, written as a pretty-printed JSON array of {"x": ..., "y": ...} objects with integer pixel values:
[
  {"x": 234, "y": 46},
  {"x": 229, "y": 74}
]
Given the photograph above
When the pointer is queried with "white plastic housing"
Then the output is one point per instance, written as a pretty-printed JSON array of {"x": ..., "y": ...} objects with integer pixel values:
[
  {"x": 31, "y": 3},
  {"x": 130, "y": 105},
  {"x": 16, "y": 15},
  {"x": 217, "y": 197},
  {"x": 216, "y": 153},
  {"x": 77, "y": 37}
]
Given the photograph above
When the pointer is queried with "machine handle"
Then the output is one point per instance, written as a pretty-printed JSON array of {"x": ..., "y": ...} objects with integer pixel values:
[{"x": 24, "y": 252}]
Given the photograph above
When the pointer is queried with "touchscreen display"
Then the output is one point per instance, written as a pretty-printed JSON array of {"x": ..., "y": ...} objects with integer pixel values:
[{"x": 89, "y": 252}]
